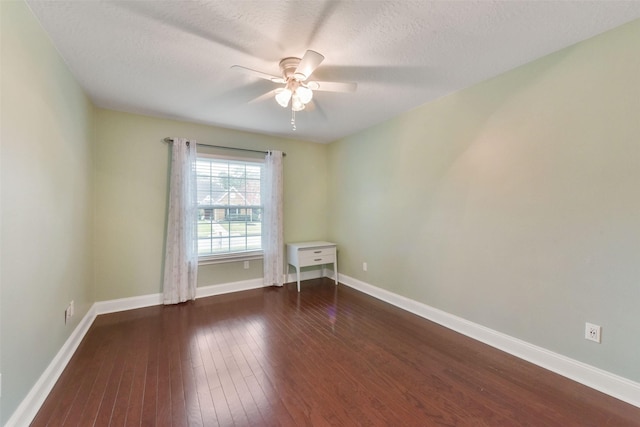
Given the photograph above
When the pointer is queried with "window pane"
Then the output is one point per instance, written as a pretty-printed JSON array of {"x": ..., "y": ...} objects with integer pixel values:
[
  {"x": 230, "y": 214},
  {"x": 253, "y": 172}
]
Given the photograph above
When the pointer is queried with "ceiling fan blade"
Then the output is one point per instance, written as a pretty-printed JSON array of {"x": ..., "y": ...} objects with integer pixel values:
[
  {"x": 333, "y": 86},
  {"x": 259, "y": 74},
  {"x": 269, "y": 95},
  {"x": 308, "y": 64}
]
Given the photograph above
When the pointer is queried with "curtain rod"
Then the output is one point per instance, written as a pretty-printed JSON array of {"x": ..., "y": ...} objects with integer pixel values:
[{"x": 227, "y": 148}]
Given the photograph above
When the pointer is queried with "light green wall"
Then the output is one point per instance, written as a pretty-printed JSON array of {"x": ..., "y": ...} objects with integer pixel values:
[
  {"x": 131, "y": 172},
  {"x": 46, "y": 203},
  {"x": 514, "y": 204}
]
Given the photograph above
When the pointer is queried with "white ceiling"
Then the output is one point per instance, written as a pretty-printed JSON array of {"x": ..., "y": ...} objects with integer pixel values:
[{"x": 173, "y": 58}]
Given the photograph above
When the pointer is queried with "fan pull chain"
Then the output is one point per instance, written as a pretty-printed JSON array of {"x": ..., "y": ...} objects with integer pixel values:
[{"x": 293, "y": 119}]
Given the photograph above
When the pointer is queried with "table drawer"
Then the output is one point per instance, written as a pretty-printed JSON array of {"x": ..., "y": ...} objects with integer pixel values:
[
  {"x": 316, "y": 252},
  {"x": 316, "y": 259}
]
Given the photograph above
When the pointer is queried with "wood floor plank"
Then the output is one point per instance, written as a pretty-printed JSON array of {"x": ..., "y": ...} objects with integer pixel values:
[
  {"x": 86, "y": 391},
  {"x": 328, "y": 356},
  {"x": 134, "y": 403},
  {"x": 164, "y": 390},
  {"x": 189, "y": 386},
  {"x": 150, "y": 386},
  {"x": 202, "y": 375},
  {"x": 108, "y": 397},
  {"x": 61, "y": 398},
  {"x": 123, "y": 392}
]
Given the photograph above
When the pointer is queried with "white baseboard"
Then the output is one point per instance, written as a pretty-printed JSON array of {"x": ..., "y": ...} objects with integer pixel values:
[
  {"x": 225, "y": 288},
  {"x": 28, "y": 408},
  {"x": 131, "y": 303},
  {"x": 305, "y": 275},
  {"x": 606, "y": 382},
  {"x": 122, "y": 304}
]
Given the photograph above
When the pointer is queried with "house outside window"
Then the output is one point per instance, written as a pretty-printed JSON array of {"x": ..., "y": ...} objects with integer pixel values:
[{"x": 229, "y": 208}]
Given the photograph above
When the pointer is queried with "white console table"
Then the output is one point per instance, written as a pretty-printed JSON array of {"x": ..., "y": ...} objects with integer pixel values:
[{"x": 306, "y": 254}]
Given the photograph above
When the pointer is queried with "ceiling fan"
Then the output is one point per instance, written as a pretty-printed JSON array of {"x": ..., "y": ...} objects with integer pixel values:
[{"x": 298, "y": 89}]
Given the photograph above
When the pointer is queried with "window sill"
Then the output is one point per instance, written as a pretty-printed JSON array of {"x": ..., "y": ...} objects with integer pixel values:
[{"x": 235, "y": 257}]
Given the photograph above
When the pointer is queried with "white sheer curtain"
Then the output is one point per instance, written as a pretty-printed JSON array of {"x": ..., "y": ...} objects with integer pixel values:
[
  {"x": 272, "y": 229},
  {"x": 181, "y": 255}
]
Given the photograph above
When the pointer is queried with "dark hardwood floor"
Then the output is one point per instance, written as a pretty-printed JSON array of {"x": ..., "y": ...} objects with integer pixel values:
[{"x": 327, "y": 356}]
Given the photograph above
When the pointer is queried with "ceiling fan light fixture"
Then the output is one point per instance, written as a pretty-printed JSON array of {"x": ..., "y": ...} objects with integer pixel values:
[
  {"x": 283, "y": 96},
  {"x": 297, "y": 91},
  {"x": 304, "y": 94},
  {"x": 296, "y": 103}
]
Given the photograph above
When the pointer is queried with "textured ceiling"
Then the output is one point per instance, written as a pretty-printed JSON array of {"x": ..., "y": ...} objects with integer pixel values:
[{"x": 173, "y": 58}]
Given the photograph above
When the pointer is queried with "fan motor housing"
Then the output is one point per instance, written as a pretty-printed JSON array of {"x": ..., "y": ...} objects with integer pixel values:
[{"x": 288, "y": 67}]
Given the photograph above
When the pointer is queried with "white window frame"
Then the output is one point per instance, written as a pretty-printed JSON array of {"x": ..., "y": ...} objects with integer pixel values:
[{"x": 232, "y": 256}]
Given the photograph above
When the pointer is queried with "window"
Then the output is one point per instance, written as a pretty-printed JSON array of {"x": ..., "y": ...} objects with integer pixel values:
[{"x": 229, "y": 208}]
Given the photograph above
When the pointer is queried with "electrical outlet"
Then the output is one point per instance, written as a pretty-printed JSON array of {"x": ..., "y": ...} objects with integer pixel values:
[
  {"x": 246, "y": 265},
  {"x": 72, "y": 307},
  {"x": 592, "y": 332},
  {"x": 68, "y": 313},
  {"x": 364, "y": 266}
]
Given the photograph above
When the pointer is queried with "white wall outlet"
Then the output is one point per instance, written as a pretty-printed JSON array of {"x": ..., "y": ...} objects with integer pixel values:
[
  {"x": 68, "y": 312},
  {"x": 246, "y": 265},
  {"x": 72, "y": 307},
  {"x": 364, "y": 266},
  {"x": 592, "y": 332}
]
